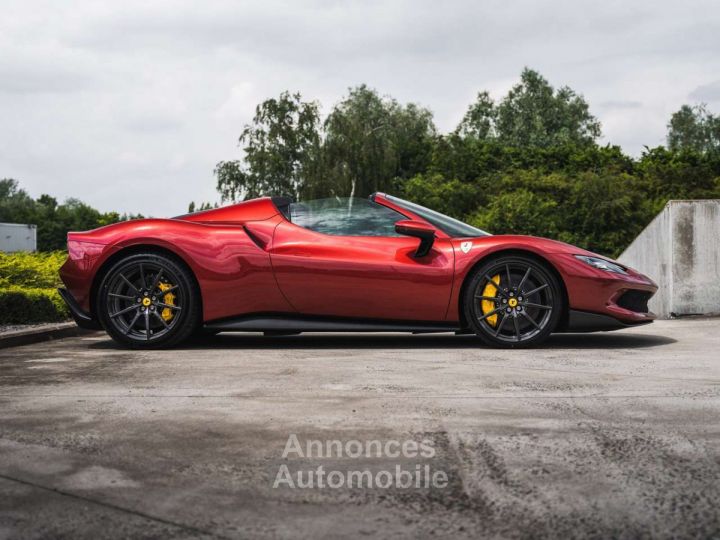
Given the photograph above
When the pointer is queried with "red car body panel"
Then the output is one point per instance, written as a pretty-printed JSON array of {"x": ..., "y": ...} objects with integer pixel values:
[
  {"x": 234, "y": 275},
  {"x": 366, "y": 277},
  {"x": 249, "y": 258}
]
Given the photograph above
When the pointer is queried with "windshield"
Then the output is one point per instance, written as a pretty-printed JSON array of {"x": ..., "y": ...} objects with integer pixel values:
[{"x": 450, "y": 226}]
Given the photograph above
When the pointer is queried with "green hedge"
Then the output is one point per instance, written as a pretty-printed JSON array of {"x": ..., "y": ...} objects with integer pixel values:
[
  {"x": 28, "y": 284},
  {"x": 33, "y": 270},
  {"x": 22, "y": 305}
]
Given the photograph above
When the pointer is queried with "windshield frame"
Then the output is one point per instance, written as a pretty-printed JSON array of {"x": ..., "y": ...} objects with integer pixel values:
[{"x": 453, "y": 228}]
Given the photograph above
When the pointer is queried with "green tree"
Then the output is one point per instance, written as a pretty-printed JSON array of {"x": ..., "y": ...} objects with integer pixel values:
[
  {"x": 373, "y": 144},
  {"x": 686, "y": 174},
  {"x": 53, "y": 220},
  {"x": 519, "y": 212},
  {"x": 192, "y": 207},
  {"x": 16, "y": 206},
  {"x": 526, "y": 164},
  {"x": 479, "y": 120},
  {"x": 451, "y": 197},
  {"x": 694, "y": 129},
  {"x": 598, "y": 210},
  {"x": 532, "y": 114},
  {"x": 280, "y": 151}
]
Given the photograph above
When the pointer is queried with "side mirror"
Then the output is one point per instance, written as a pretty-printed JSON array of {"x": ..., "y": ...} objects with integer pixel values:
[{"x": 417, "y": 229}]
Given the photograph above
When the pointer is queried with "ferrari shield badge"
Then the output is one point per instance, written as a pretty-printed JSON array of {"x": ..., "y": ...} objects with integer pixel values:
[{"x": 465, "y": 246}]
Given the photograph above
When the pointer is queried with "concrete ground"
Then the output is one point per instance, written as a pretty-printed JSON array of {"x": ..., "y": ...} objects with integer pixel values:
[{"x": 613, "y": 434}]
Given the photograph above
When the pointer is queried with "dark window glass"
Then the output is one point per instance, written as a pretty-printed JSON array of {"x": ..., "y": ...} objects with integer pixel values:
[{"x": 345, "y": 216}]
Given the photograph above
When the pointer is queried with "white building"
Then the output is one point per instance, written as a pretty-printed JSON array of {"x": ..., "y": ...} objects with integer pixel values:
[{"x": 18, "y": 237}]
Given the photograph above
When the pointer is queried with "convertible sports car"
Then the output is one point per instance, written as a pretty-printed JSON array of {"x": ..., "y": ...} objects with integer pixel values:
[{"x": 340, "y": 264}]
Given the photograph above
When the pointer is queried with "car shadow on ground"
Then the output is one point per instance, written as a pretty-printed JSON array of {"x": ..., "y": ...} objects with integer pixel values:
[{"x": 229, "y": 340}]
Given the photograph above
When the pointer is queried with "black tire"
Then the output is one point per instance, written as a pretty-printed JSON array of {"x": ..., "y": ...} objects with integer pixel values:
[
  {"x": 132, "y": 301},
  {"x": 524, "y": 308}
]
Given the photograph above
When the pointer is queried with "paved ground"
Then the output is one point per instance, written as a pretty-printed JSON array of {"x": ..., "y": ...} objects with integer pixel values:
[{"x": 612, "y": 434}]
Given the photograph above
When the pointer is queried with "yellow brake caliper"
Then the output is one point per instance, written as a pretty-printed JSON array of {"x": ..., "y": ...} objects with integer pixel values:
[
  {"x": 168, "y": 299},
  {"x": 488, "y": 305}
]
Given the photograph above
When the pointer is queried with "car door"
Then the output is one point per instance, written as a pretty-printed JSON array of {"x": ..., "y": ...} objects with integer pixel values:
[{"x": 343, "y": 258}]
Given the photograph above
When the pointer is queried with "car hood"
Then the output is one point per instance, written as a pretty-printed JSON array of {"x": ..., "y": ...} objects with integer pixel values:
[{"x": 546, "y": 245}]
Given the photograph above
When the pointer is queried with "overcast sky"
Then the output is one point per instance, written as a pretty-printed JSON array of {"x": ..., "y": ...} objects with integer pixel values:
[{"x": 129, "y": 105}]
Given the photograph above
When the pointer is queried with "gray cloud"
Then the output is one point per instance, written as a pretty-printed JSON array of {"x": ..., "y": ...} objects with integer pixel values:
[
  {"x": 707, "y": 93},
  {"x": 111, "y": 101},
  {"x": 620, "y": 105}
]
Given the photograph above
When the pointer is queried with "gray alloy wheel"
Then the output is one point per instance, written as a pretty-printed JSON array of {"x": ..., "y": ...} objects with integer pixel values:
[
  {"x": 148, "y": 300},
  {"x": 513, "y": 301}
]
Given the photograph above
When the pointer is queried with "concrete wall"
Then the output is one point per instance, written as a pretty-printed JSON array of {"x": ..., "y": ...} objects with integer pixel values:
[
  {"x": 650, "y": 254},
  {"x": 17, "y": 237},
  {"x": 680, "y": 250}
]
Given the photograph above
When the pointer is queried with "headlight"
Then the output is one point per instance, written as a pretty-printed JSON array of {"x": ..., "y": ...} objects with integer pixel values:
[{"x": 602, "y": 264}]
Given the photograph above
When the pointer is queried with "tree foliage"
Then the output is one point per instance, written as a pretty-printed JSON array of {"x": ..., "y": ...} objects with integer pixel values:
[
  {"x": 694, "y": 129},
  {"x": 53, "y": 220},
  {"x": 528, "y": 163},
  {"x": 367, "y": 143},
  {"x": 532, "y": 114},
  {"x": 373, "y": 144},
  {"x": 280, "y": 148}
]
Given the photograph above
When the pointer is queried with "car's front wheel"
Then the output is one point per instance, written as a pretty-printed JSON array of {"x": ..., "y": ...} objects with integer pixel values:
[
  {"x": 148, "y": 300},
  {"x": 513, "y": 301}
]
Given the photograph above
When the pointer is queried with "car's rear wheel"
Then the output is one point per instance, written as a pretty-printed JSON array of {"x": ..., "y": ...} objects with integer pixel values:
[
  {"x": 513, "y": 301},
  {"x": 148, "y": 300}
]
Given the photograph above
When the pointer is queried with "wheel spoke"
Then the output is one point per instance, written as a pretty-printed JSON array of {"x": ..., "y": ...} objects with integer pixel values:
[
  {"x": 159, "y": 318},
  {"x": 178, "y": 308},
  {"x": 530, "y": 319},
  {"x": 540, "y": 288},
  {"x": 490, "y": 298},
  {"x": 147, "y": 325},
  {"x": 499, "y": 328},
  {"x": 129, "y": 308},
  {"x": 156, "y": 282},
  {"x": 491, "y": 313},
  {"x": 522, "y": 281},
  {"x": 509, "y": 279},
  {"x": 114, "y": 295},
  {"x": 142, "y": 277},
  {"x": 517, "y": 327},
  {"x": 538, "y": 306},
  {"x": 132, "y": 323},
  {"x": 126, "y": 280}
]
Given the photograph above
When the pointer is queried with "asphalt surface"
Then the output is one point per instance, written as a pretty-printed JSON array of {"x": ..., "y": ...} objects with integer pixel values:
[{"x": 613, "y": 434}]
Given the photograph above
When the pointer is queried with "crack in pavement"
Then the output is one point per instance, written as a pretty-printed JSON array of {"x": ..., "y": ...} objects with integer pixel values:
[{"x": 112, "y": 506}]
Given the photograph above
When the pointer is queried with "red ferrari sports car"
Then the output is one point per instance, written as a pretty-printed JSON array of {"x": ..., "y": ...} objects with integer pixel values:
[{"x": 340, "y": 264}]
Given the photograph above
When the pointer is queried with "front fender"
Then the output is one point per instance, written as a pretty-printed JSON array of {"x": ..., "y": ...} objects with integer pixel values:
[{"x": 471, "y": 252}]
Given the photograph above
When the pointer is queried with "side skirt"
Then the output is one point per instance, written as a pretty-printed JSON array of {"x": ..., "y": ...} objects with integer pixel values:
[{"x": 290, "y": 323}]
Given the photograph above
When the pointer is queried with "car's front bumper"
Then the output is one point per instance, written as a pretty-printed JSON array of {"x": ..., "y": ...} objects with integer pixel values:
[
  {"x": 585, "y": 321},
  {"x": 601, "y": 300}
]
